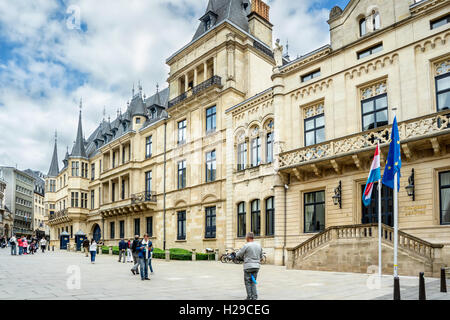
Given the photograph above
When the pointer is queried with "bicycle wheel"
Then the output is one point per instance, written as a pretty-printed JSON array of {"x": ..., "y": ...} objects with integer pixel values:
[{"x": 223, "y": 259}]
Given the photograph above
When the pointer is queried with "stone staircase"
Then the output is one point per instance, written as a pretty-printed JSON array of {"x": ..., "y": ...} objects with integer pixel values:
[{"x": 354, "y": 248}]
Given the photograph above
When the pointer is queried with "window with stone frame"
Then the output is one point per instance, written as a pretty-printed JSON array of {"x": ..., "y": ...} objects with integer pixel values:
[
  {"x": 444, "y": 197},
  {"x": 241, "y": 220},
  {"x": 181, "y": 225},
  {"x": 256, "y": 217},
  {"x": 442, "y": 82},
  {"x": 255, "y": 146},
  {"x": 374, "y": 106},
  {"x": 269, "y": 140},
  {"x": 314, "y": 124}
]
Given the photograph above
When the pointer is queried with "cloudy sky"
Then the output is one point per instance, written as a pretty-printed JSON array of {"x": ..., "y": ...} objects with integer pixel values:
[{"x": 52, "y": 52}]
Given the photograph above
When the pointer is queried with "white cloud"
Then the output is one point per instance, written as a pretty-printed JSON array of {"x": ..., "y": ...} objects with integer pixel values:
[{"x": 125, "y": 41}]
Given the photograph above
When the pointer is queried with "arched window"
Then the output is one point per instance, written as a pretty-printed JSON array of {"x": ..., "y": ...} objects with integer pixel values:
[
  {"x": 256, "y": 218},
  {"x": 241, "y": 217},
  {"x": 376, "y": 20},
  {"x": 362, "y": 27}
]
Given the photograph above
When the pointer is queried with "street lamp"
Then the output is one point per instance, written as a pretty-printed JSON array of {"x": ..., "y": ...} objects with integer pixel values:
[
  {"x": 410, "y": 188},
  {"x": 337, "y": 198}
]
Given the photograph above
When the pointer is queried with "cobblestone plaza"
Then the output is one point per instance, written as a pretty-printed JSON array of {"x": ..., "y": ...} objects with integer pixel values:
[{"x": 108, "y": 279}]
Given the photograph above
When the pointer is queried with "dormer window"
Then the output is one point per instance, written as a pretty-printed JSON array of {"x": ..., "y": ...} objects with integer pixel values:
[
  {"x": 124, "y": 126},
  {"x": 153, "y": 113},
  {"x": 138, "y": 120},
  {"x": 362, "y": 27},
  {"x": 207, "y": 23}
]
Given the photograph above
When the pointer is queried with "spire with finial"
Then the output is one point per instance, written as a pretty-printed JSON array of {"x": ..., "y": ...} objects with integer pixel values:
[
  {"x": 54, "y": 167},
  {"x": 79, "y": 149},
  {"x": 104, "y": 113},
  {"x": 157, "y": 97},
  {"x": 132, "y": 91},
  {"x": 140, "y": 88}
]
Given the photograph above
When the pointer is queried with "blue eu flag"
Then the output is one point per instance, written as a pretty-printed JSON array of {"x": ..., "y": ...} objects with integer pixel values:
[{"x": 394, "y": 160}]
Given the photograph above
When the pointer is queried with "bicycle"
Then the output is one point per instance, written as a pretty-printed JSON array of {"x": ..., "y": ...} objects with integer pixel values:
[{"x": 228, "y": 257}]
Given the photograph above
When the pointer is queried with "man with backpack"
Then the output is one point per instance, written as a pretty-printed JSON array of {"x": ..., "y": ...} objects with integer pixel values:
[
  {"x": 13, "y": 244},
  {"x": 134, "y": 245},
  {"x": 144, "y": 249}
]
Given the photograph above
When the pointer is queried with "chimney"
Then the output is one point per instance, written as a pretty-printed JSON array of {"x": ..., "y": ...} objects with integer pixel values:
[
  {"x": 261, "y": 8},
  {"x": 259, "y": 22}
]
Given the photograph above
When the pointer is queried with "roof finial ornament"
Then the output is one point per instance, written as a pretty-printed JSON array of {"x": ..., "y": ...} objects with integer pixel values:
[
  {"x": 157, "y": 87},
  {"x": 140, "y": 87},
  {"x": 56, "y": 136},
  {"x": 132, "y": 91},
  {"x": 104, "y": 112}
]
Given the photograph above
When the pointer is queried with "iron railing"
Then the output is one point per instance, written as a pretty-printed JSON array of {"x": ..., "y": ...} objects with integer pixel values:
[
  {"x": 146, "y": 196},
  {"x": 215, "y": 80},
  {"x": 58, "y": 214}
]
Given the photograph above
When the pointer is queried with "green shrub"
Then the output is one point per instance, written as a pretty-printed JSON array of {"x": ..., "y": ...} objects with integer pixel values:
[
  {"x": 115, "y": 251},
  {"x": 205, "y": 256},
  {"x": 179, "y": 251},
  {"x": 105, "y": 250},
  {"x": 159, "y": 255},
  {"x": 180, "y": 256},
  {"x": 157, "y": 250}
]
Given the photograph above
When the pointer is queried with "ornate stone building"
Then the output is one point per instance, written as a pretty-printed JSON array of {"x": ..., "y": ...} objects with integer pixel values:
[{"x": 243, "y": 139}]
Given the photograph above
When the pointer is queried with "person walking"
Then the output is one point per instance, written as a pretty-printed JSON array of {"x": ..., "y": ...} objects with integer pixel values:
[
  {"x": 252, "y": 255},
  {"x": 13, "y": 244},
  {"x": 43, "y": 244},
  {"x": 134, "y": 245},
  {"x": 129, "y": 253},
  {"x": 93, "y": 250},
  {"x": 122, "y": 250},
  {"x": 86, "y": 245},
  {"x": 144, "y": 249}
]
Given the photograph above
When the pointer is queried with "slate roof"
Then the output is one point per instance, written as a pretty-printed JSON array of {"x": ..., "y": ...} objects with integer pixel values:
[
  {"x": 54, "y": 167},
  {"x": 79, "y": 149},
  {"x": 235, "y": 11}
]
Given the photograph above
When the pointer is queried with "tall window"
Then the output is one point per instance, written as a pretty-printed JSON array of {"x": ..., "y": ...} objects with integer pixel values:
[
  {"x": 362, "y": 27},
  {"x": 242, "y": 156},
  {"x": 113, "y": 192},
  {"x": 315, "y": 130},
  {"x": 74, "y": 200},
  {"x": 122, "y": 229},
  {"x": 92, "y": 200},
  {"x": 211, "y": 166},
  {"x": 444, "y": 192},
  {"x": 75, "y": 168},
  {"x": 148, "y": 147},
  {"x": 374, "y": 112},
  {"x": 123, "y": 190},
  {"x": 82, "y": 169},
  {"x": 256, "y": 218},
  {"x": 112, "y": 230},
  {"x": 84, "y": 197},
  {"x": 210, "y": 230},
  {"x": 149, "y": 223},
  {"x": 181, "y": 225},
  {"x": 443, "y": 91},
  {"x": 148, "y": 181},
  {"x": 137, "y": 226},
  {"x": 269, "y": 148},
  {"x": 256, "y": 152},
  {"x": 241, "y": 220},
  {"x": 124, "y": 153},
  {"x": 182, "y": 132},
  {"x": 270, "y": 216},
  {"x": 211, "y": 119},
  {"x": 376, "y": 21},
  {"x": 114, "y": 159},
  {"x": 314, "y": 209},
  {"x": 182, "y": 174},
  {"x": 311, "y": 75},
  {"x": 93, "y": 172}
]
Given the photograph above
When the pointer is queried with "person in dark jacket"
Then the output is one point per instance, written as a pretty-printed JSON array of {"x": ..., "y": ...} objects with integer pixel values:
[
  {"x": 123, "y": 246},
  {"x": 134, "y": 244},
  {"x": 144, "y": 250},
  {"x": 86, "y": 245}
]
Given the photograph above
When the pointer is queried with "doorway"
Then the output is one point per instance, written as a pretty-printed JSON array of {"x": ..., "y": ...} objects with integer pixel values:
[{"x": 370, "y": 213}]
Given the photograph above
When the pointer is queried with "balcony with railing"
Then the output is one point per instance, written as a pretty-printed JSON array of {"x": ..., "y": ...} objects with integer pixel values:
[
  {"x": 137, "y": 202},
  {"x": 58, "y": 217},
  {"x": 430, "y": 127},
  {"x": 215, "y": 81}
]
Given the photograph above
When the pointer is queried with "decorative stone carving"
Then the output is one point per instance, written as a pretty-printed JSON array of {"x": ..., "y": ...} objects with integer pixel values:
[
  {"x": 442, "y": 67},
  {"x": 313, "y": 110},
  {"x": 373, "y": 90},
  {"x": 335, "y": 12}
]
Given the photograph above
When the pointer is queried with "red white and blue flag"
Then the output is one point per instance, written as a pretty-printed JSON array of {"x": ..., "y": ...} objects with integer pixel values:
[{"x": 374, "y": 176}]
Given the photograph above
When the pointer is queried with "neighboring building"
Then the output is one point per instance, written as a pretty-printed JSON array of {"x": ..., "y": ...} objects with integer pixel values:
[
  {"x": 40, "y": 225},
  {"x": 19, "y": 199},
  {"x": 246, "y": 140},
  {"x": 6, "y": 219}
]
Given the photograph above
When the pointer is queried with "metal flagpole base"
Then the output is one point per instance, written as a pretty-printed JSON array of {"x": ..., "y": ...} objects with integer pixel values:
[{"x": 397, "y": 288}]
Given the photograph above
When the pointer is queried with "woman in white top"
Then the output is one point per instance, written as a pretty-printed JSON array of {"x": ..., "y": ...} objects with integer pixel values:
[{"x": 93, "y": 250}]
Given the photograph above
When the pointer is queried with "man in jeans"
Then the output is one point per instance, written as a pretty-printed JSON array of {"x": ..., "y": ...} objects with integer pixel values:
[
  {"x": 144, "y": 249},
  {"x": 13, "y": 244},
  {"x": 122, "y": 250},
  {"x": 134, "y": 245},
  {"x": 252, "y": 255}
]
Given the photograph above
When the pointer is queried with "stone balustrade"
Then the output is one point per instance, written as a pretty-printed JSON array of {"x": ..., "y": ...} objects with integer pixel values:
[{"x": 413, "y": 129}]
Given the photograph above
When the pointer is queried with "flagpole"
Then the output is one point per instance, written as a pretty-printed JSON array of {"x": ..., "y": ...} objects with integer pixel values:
[
  {"x": 380, "y": 266},
  {"x": 395, "y": 227}
]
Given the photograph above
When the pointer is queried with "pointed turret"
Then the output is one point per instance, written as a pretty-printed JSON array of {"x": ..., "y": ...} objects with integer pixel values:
[
  {"x": 66, "y": 158},
  {"x": 79, "y": 150},
  {"x": 54, "y": 168}
]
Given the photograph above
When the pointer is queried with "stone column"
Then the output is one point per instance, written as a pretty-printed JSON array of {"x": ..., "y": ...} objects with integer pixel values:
[
  {"x": 195, "y": 77},
  {"x": 205, "y": 71},
  {"x": 186, "y": 84}
]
